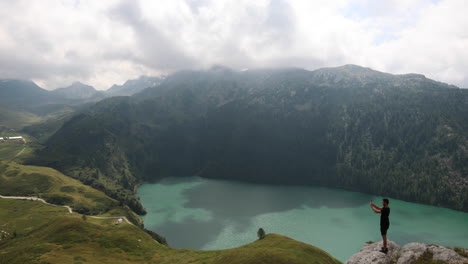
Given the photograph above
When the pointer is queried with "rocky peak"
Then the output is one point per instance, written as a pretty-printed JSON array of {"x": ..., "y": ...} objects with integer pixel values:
[
  {"x": 349, "y": 73},
  {"x": 76, "y": 90},
  {"x": 133, "y": 86}
]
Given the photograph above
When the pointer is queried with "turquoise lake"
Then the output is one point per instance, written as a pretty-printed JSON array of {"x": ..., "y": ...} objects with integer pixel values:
[{"x": 216, "y": 214}]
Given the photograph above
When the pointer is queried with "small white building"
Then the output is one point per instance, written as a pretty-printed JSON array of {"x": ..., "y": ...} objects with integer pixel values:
[
  {"x": 2, "y": 140},
  {"x": 18, "y": 138},
  {"x": 119, "y": 221}
]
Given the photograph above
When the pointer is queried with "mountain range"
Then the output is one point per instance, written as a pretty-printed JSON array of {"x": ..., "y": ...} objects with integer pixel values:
[
  {"x": 131, "y": 87},
  {"x": 402, "y": 136},
  {"x": 78, "y": 90},
  {"x": 24, "y": 103}
]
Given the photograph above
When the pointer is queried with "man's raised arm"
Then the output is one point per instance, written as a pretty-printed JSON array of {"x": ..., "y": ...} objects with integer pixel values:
[{"x": 375, "y": 206}]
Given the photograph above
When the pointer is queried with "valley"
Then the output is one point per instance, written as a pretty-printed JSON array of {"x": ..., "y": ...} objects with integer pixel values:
[
  {"x": 233, "y": 132},
  {"x": 349, "y": 127}
]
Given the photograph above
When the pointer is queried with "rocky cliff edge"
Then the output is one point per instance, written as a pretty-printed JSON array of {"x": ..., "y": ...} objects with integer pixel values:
[{"x": 412, "y": 252}]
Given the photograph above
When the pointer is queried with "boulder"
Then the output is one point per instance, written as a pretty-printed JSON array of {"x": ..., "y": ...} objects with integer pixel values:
[
  {"x": 369, "y": 254},
  {"x": 411, "y": 252},
  {"x": 446, "y": 254}
]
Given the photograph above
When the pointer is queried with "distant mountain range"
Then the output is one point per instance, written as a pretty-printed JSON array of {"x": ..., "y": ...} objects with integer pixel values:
[
  {"x": 82, "y": 91},
  {"x": 23, "y": 102},
  {"x": 402, "y": 136},
  {"x": 20, "y": 93}
]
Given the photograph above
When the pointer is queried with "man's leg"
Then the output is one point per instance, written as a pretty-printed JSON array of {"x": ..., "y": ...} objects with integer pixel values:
[{"x": 384, "y": 237}]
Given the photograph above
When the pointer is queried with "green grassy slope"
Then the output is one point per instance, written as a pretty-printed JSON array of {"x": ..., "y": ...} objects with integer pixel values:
[
  {"x": 40, "y": 233},
  {"x": 9, "y": 150},
  {"x": 16, "y": 119},
  {"x": 275, "y": 248},
  {"x": 47, "y": 234},
  {"x": 53, "y": 186}
]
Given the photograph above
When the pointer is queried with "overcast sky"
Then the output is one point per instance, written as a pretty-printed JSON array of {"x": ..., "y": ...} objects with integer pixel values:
[{"x": 102, "y": 42}]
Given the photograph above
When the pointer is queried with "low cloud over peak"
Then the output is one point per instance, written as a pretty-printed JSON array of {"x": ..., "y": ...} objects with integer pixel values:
[{"x": 104, "y": 42}]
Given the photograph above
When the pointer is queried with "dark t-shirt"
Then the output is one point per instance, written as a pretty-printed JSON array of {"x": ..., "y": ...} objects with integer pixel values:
[{"x": 384, "y": 216}]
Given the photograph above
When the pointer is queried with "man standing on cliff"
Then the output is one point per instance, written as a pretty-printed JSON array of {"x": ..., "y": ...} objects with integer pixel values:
[{"x": 384, "y": 221}]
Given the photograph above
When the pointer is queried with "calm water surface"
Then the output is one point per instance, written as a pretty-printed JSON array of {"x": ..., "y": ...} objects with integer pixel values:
[{"x": 214, "y": 214}]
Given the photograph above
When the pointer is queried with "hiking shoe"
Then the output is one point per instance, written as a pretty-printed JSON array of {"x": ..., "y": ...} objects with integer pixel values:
[{"x": 384, "y": 251}]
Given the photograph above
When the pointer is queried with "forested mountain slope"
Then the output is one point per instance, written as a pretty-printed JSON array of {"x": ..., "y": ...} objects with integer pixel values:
[{"x": 403, "y": 136}]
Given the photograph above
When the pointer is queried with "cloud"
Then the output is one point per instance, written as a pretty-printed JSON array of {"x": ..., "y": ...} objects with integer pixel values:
[
  {"x": 154, "y": 48},
  {"x": 432, "y": 45},
  {"x": 56, "y": 42}
]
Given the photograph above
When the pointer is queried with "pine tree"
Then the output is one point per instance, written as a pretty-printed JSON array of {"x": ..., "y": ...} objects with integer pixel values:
[{"x": 261, "y": 233}]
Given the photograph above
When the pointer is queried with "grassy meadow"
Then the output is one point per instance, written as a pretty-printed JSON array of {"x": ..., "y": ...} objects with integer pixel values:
[
  {"x": 54, "y": 187},
  {"x": 46, "y": 234},
  {"x": 9, "y": 150}
]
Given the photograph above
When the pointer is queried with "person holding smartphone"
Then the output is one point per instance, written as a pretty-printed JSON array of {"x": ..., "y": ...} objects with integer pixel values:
[{"x": 384, "y": 221}]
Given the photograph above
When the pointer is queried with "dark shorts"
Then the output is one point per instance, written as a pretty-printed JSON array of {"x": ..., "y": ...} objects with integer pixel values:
[{"x": 383, "y": 229}]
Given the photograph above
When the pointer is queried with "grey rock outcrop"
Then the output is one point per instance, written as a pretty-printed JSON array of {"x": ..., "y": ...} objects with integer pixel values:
[
  {"x": 369, "y": 254},
  {"x": 446, "y": 254},
  {"x": 411, "y": 252}
]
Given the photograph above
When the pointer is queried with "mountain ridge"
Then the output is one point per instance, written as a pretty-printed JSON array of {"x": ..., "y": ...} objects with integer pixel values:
[
  {"x": 77, "y": 90},
  {"x": 133, "y": 86},
  {"x": 365, "y": 132}
]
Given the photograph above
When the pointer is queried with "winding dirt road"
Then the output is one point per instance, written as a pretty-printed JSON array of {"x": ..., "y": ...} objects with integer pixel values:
[
  {"x": 35, "y": 199},
  {"x": 19, "y": 153},
  {"x": 65, "y": 206}
]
